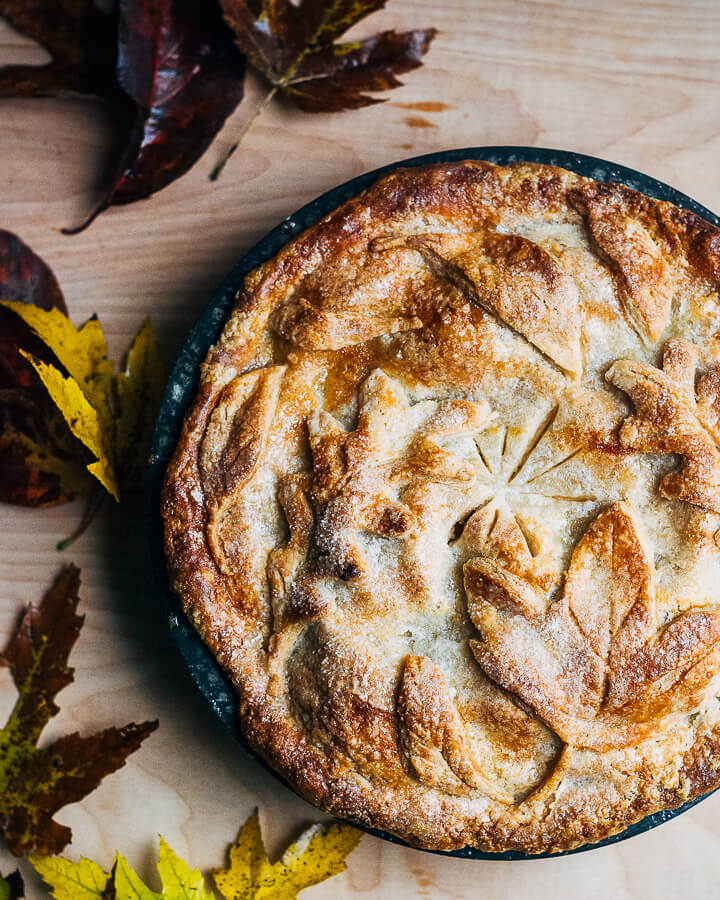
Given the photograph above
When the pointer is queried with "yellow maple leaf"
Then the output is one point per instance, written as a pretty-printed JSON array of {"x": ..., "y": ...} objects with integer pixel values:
[
  {"x": 114, "y": 419},
  {"x": 83, "y": 420},
  {"x": 82, "y": 351},
  {"x": 318, "y": 854},
  {"x": 83, "y": 880}
]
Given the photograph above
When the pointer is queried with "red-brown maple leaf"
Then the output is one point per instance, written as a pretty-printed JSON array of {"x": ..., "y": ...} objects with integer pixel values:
[{"x": 36, "y": 782}]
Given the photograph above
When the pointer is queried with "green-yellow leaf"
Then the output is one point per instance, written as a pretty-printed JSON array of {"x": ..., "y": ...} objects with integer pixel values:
[
  {"x": 319, "y": 853},
  {"x": 127, "y": 884},
  {"x": 83, "y": 352},
  {"x": 4, "y": 889},
  {"x": 83, "y": 419},
  {"x": 83, "y": 880},
  {"x": 139, "y": 391},
  {"x": 179, "y": 881}
]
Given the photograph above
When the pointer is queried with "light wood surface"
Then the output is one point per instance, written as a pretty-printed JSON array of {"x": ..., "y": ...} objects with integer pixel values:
[{"x": 631, "y": 81}]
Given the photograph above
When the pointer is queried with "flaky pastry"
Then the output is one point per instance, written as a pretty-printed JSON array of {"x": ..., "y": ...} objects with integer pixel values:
[{"x": 446, "y": 508}]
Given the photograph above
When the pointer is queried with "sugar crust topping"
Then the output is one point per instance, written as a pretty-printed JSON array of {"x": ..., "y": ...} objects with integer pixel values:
[{"x": 447, "y": 507}]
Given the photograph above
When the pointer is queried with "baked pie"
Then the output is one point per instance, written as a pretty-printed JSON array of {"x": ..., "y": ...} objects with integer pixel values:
[{"x": 446, "y": 508}]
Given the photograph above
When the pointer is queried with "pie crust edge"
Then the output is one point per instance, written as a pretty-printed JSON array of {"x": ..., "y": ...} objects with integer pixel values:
[{"x": 432, "y": 822}]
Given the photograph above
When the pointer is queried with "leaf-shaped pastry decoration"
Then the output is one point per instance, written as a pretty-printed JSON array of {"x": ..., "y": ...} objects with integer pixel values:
[
  {"x": 235, "y": 441},
  {"x": 512, "y": 278},
  {"x": 358, "y": 476},
  {"x": 305, "y": 325},
  {"x": 645, "y": 278},
  {"x": 669, "y": 420},
  {"x": 494, "y": 530},
  {"x": 232, "y": 445},
  {"x": 433, "y": 735},
  {"x": 343, "y": 693},
  {"x": 627, "y": 673}
]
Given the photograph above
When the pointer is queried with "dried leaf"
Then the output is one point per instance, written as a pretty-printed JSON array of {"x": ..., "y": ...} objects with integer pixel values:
[
  {"x": 177, "y": 62},
  {"x": 178, "y": 879},
  {"x": 294, "y": 47},
  {"x": 249, "y": 865},
  {"x": 345, "y": 72},
  {"x": 82, "y": 352},
  {"x": 84, "y": 421},
  {"x": 139, "y": 391},
  {"x": 40, "y": 462},
  {"x": 36, "y": 783},
  {"x": 83, "y": 880},
  {"x": 78, "y": 379},
  {"x": 127, "y": 884},
  {"x": 83, "y": 397},
  {"x": 318, "y": 854},
  {"x": 79, "y": 37},
  {"x": 24, "y": 277}
]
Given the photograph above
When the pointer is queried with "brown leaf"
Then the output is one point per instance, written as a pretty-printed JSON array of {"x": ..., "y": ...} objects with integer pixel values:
[
  {"x": 177, "y": 63},
  {"x": 41, "y": 463},
  {"x": 79, "y": 38},
  {"x": 36, "y": 783},
  {"x": 344, "y": 72},
  {"x": 294, "y": 47}
]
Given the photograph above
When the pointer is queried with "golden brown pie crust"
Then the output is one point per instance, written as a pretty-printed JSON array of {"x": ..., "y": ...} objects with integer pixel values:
[{"x": 446, "y": 508}]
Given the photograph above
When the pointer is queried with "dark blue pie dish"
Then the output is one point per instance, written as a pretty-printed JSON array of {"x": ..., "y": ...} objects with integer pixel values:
[{"x": 182, "y": 387}]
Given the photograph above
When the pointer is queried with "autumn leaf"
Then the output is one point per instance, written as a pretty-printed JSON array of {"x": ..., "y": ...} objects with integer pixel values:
[
  {"x": 294, "y": 46},
  {"x": 83, "y": 395},
  {"x": 79, "y": 37},
  {"x": 178, "y": 64},
  {"x": 139, "y": 386},
  {"x": 41, "y": 463},
  {"x": 83, "y": 880},
  {"x": 36, "y": 782},
  {"x": 173, "y": 74},
  {"x": 111, "y": 418},
  {"x": 179, "y": 881},
  {"x": 67, "y": 426},
  {"x": 318, "y": 854}
]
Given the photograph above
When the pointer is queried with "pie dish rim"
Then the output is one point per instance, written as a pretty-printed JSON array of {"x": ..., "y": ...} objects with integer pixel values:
[{"x": 182, "y": 385}]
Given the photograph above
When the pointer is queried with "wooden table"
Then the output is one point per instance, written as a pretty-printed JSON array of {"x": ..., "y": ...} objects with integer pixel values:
[{"x": 633, "y": 81}]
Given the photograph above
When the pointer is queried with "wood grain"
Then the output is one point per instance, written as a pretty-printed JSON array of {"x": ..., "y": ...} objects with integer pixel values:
[{"x": 635, "y": 81}]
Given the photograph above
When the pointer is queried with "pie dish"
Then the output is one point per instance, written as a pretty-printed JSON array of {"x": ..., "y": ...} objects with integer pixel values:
[{"x": 445, "y": 508}]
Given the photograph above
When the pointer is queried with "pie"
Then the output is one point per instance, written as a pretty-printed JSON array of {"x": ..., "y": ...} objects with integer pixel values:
[{"x": 446, "y": 508}]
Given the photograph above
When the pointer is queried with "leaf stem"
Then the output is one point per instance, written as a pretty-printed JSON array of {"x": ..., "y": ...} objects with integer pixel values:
[
  {"x": 217, "y": 171},
  {"x": 95, "y": 502}
]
